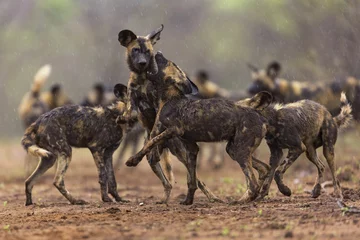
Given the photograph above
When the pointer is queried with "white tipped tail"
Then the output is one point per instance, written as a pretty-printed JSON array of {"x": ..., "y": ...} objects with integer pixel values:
[
  {"x": 344, "y": 117},
  {"x": 38, "y": 152},
  {"x": 40, "y": 78}
]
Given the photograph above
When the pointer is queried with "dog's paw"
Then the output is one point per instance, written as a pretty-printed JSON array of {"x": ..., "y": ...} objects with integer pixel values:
[
  {"x": 120, "y": 200},
  {"x": 106, "y": 199},
  {"x": 79, "y": 202},
  {"x": 133, "y": 161}
]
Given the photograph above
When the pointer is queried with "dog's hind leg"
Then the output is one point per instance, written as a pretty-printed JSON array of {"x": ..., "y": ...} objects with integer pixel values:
[
  {"x": 312, "y": 156},
  {"x": 156, "y": 168},
  {"x": 112, "y": 185},
  {"x": 262, "y": 168},
  {"x": 193, "y": 150},
  {"x": 329, "y": 139},
  {"x": 275, "y": 157},
  {"x": 293, "y": 154},
  {"x": 241, "y": 149},
  {"x": 180, "y": 151},
  {"x": 44, "y": 164},
  {"x": 99, "y": 159},
  {"x": 63, "y": 164}
]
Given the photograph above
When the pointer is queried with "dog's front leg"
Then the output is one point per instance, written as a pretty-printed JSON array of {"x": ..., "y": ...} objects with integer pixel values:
[{"x": 149, "y": 145}]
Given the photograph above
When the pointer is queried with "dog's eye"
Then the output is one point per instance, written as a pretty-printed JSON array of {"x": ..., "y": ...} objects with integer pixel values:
[
  {"x": 135, "y": 50},
  {"x": 147, "y": 51}
]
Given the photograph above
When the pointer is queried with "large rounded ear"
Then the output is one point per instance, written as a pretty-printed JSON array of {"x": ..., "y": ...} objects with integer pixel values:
[
  {"x": 125, "y": 37},
  {"x": 273, "y": 69},
  {"x": 202, "y": 74},
  {"x": 252, "y": 67},
  {"x": 154, "y": 36},
  {"x": 120, "y": 91},
  {"x": 261, "y": 100},
  {"x": 55, "y": 88},
  {"x": 191, "y": 87}
]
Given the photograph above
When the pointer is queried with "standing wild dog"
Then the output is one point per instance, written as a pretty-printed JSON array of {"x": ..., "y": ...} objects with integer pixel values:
[
  {"x": 302, "y": 126},
  {"x": 208, "y": 89},
  {"x": 205, "y": 120},
  {"x": 35, "y": 103},
  {"x": 144, "y": 97},
  {"x": 100, "y": 95},
  {"x": 55, "y": 132},
  {"x": 284, "y": 91}
]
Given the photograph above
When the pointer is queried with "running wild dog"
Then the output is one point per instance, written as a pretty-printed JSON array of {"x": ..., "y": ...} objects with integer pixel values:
[
  {"x": 97, "y": 128},
  {"x": 302, "y": 126},
  {"x": 144, "y": 97},
  {"x": 194, "y": 120}
]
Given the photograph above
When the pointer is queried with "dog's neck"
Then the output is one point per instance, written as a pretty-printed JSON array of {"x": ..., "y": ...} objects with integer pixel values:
[{"x": 117, "y": 108}]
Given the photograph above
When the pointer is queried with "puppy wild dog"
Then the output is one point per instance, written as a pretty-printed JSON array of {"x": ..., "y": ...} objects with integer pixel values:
[
  {"x": 144, "y": 97},
  {"x": 284, "y": 91},
  {"x": 302, "y": 126},
  {"x": 54, "y": 133},
  {"x": 194, "y": 120}
]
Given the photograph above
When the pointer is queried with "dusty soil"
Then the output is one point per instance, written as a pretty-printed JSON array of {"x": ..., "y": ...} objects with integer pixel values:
[{"x": 277, "y": 217}]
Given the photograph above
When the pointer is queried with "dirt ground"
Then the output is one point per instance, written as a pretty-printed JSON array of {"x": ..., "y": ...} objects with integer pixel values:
[{"x": 277, "y": 217}]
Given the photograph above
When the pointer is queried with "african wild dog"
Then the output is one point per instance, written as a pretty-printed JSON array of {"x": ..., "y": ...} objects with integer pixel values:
[
  {"x": 96, "y": 128},
  {"x": 208, "y": 89},
  {"x": 195, "y": 120},
  {"x": 101, "y": 95},
  {"x": 144, "y": 97},
  {"x": 327, "y": 94},
  {"x": 302, "y": 126},
  {"x": 35, "y": 103},
  {"x": 56, "y": 97},
  {"x": 31, "y": 106}
]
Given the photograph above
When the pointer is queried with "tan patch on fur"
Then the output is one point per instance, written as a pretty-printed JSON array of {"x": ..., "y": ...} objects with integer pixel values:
[
  {"x": 352, "y": 81},
  {"x": 263, "y": 77},
  {"x": 283, "y": 85},
  {"x": 120, "y": 106},
  {"x": 298, "y": 104},
  {"x": 46, "y": 97},
  {"x": 173, "y": 72},
  {"x": 149, "y": 46},
  {"x": 79, "y": 125},
  {"x": 133, "y": 44},
  {"x": 41, "y": 128},
  {"x": 25, "y": 105},
  {"x": 99, "y": 111},
  {"x": 297, "y": 87}
]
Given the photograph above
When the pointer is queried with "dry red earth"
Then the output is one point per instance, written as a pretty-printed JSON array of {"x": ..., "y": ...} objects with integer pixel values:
[{"x": 277, "y": 217}]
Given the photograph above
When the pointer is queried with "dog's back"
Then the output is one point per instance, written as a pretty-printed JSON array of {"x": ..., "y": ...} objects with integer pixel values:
[{"x": 76, "y": 126}]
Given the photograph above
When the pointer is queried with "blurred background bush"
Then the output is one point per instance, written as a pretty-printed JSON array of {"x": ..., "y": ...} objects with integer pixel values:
[{"x": 314, "y": 41}]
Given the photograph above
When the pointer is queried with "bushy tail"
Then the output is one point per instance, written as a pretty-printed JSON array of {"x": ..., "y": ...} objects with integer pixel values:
[
  {"x": 40, "y": 78},
  {"x": 28, "y": 142},
  {"x": 344, "y": 117}
]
